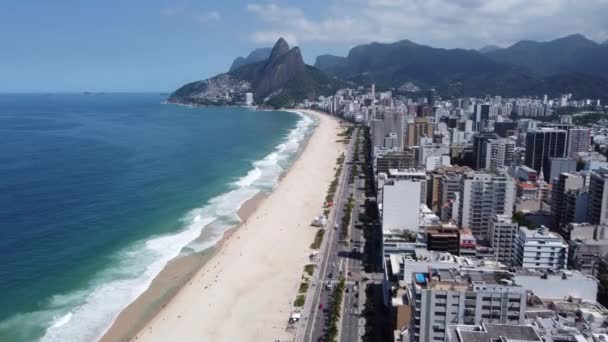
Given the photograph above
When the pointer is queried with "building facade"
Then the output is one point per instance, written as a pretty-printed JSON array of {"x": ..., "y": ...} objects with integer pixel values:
[
  {"x": 542, "y": 144},
  {"x": 503, "y": 237},
  {"x": 499, "y": 153},
  {"x": 579, "y": 140},
  {"x": 566, "y": 183},
  {"x": 481, "y": 196},
  {"x": 445, "y": 297},
  {"x": 541, "y": 250},
  {"x": 401, "y": 205},
  {"x": 480, "y": 148},
  {"x": 598, "y": 197}
]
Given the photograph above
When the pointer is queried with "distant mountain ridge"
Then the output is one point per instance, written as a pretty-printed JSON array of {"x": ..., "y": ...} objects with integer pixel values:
[
  {"x": 459, "y": 72},
  {"x": 489, "y": 48},
  {"x": 573, "y": 53},
  {"x": 281, "y": 79},
  {"x": 255, "y": 56}
]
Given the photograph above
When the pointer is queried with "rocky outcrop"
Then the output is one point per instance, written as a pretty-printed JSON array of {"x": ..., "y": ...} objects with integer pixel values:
[
  {"x": 282, "y": 65},
  {"x": 280, "y": 79},
  {"x": 257, "y": 55}
]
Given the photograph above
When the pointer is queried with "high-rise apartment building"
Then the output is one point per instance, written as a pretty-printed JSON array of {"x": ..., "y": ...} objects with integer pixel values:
[
  {"x": 443, "y": 297},
  {"x": 479, "y": 148},
  {"x": 566, "y": 183},
  {"x": 499, "y": 153},
  {"x": 401, "y": 205},
  {"x": 541, "y": 250},
  {"x": 480, "y": 197},
  {"x": 444, "y": 184},
  {"x": 579, "y": 140},
  {"x": 598, "y": 197},
  {"x": 481, "y": 114},
  {"x": 420, "y": 127},
  {"x": 503, "y": 236}
]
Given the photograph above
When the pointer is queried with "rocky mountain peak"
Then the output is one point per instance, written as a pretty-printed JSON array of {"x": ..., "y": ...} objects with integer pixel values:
[{"x": 280, "y": 48}]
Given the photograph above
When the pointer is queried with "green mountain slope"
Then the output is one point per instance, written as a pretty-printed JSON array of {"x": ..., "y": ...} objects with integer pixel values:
[
  {"x": 573, "y": 53},
  {"x": 455, "y": 72}
]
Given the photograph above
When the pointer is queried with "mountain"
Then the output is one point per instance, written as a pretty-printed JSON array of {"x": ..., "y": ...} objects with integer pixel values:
[
  {"x": 255, "y": 56},
  {"x": 454, "y": 72},
  {"x": 395, "y": 64},
  {"x": 282, "y": 79},
  {"x": 605, "y": 43},
  {"x": 573, "y": 53},
  {"x": 328, "y": 61},
  {"x": 489, "y": 48}
]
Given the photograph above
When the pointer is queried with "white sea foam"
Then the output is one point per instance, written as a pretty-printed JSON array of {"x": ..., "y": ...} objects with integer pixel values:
[
  {"x": 62, "y": 320},
  {"x": 86, "y": 315}
]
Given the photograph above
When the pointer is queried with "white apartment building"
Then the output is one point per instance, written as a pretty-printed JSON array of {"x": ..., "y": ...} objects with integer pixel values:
[
  {"x": 446, "y": 297},
  {"x": 401, "y": 205},
  {"x": 499, "y": 153},
  {"x": 541, "y": 249},
  {"x": 481, "y": 196}
]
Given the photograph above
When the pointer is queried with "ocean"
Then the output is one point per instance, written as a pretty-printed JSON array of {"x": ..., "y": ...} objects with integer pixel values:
[{"x": 98, "y": 192}]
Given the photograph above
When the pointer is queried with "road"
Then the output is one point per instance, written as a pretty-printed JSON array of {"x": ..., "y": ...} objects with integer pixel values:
[
  {"x": 313, "y": 322},
  {"x": 339, "y": 257},
  {"x": 352, "y": 326}
]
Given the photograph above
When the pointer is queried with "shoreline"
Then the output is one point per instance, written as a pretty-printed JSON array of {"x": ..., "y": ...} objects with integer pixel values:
[
  {"x": 185, "y": 280},
  {"x": 179, "y": 272},
  {"x": 175, "y": 275}
]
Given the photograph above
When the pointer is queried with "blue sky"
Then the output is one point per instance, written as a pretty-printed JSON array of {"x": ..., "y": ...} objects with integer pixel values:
[{"x": 157, "y": 45}]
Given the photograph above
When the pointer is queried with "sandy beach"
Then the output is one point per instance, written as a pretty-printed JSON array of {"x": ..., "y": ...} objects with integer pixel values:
[{"x": 246, "y": 288}]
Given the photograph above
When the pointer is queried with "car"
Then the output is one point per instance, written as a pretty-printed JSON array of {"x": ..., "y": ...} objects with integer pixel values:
[
  {"x": 330, "y": 275},
  {"x": 320, "y": 306},
  {"x": 350, "y": 273},
  {"x": 356, "y": 282},
  {"x": 346, "y": 290},
  {"x": 356, "y": 305}
]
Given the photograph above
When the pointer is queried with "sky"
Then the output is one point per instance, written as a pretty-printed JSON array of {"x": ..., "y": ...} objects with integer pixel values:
[{"x": 158, "y": 45}]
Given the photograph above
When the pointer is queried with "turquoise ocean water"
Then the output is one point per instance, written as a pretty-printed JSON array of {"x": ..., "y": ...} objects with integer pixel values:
[{"x": 98, "y": 192}]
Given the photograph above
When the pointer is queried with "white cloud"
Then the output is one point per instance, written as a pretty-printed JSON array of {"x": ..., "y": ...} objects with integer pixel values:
[{"x": 442, "y": 23}]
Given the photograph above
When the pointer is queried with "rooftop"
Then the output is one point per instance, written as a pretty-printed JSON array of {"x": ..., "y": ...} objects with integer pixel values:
[
  {"x": 494, "y": 332},
  {"x": 407, "y": 173}
]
